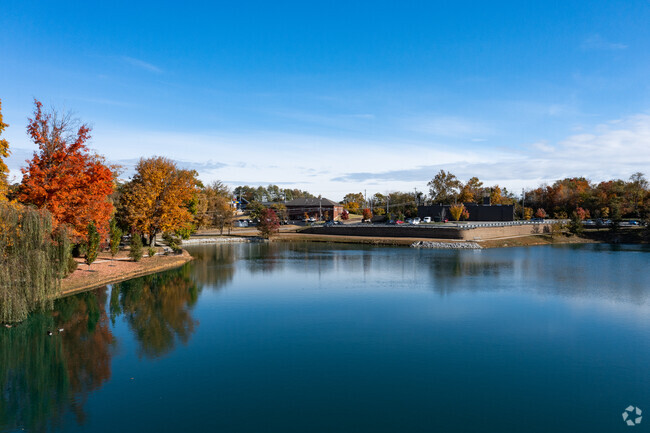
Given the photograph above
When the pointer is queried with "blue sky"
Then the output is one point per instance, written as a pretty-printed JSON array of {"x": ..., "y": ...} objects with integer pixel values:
[{"x": 333, "y": 97}]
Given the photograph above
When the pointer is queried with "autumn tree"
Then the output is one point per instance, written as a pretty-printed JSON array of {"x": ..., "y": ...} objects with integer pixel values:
[
  {"x": 219, "y": 210},
  {"x": 345, "y": 215},
  {"x": 540, "y": 213},
  {"x": 4, "y": 153},
  {"x": 255, "y": 210},
  {"x": 367, "y": 214},
  {"x": 456, "y": 211},
  {"x": 269, "y": 223},
  {"x": 528, "y": 213},
  {"x": 64, "y": 176},
  {"x": 354, "y": 202},
  {"x": 156, "y": 200},
  {"x": 444, "y": 188}
]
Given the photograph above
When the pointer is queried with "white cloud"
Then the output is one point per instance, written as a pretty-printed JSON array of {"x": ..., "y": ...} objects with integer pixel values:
[
  {"x": 335, "y": 166},
  {"x": 597, "y": 42},
  {"x": 142, "y": 64}
]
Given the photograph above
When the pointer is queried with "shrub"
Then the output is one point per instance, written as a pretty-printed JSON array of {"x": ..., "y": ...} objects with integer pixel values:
[
  {"x": 71, "y": 266},
  {"x": 556, "y": 229},
  {"x": 174, "y": 242},
  {"x": 367, "y": 214},
  {"x": 136, "y": 247},
  {"x": 151, "y": 251}
]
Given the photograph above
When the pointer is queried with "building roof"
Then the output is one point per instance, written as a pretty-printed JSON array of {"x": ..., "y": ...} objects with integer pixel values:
[{"x": 311, "y": 202}]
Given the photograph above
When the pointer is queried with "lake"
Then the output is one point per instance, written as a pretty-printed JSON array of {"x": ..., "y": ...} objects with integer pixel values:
[{"x": 310, "y": 337}]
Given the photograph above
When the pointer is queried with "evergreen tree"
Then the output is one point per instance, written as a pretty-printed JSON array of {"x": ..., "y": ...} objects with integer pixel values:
[
  {"x": 92, "y": 245},
  {"x": 115, "y": 235},
  {"x": 136, "y": 247}
]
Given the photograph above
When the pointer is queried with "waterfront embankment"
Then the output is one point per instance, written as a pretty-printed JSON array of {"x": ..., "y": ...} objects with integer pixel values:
[{"x": 109, "y": 271}]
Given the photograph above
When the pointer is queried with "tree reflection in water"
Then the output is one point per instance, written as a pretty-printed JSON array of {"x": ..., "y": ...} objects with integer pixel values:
[
  {"x": 214, "y": 265},
  {"x": 158, "y": 309},
  {"x": 42, "y": 377}
]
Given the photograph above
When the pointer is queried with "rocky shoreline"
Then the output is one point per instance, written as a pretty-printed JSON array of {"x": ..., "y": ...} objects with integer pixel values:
[{"x": 447, "y": 245}]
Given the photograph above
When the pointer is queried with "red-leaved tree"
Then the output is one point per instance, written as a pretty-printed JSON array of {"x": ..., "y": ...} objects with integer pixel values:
[
  {"x": 269, "y": 223},
  {"x": 64, "y": 177}
]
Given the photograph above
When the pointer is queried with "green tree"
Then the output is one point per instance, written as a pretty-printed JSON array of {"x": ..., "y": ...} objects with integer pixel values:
[
  {"x": 92, "y": 244},
  {"x": 444, "y": 188},
  {"x": 615, "y": 226},
  {"x": 575, "y": 224},
  {"x": 255, "y": 210},
  {"x": 135, "y": 252},
  {"x": 115, "y": 236}
]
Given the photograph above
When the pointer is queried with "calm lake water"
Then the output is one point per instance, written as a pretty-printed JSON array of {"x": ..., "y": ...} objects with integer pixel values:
[{"x": 331, "y": 338}]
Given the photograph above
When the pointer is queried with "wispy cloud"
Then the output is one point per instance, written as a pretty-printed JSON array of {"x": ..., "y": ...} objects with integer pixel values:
[
  {"x": 597, "y": 42},
  {"x": 333, "y": 166},
  {"x": 613, "y": 150},
  {"x": 142, "y": 64},
  {"x": 448, "y": 126}
]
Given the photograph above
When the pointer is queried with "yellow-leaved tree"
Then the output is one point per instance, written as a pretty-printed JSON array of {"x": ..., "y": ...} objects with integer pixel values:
[
  {"x": 159, "y": 198},
  {"x": 4, "y": 153}
]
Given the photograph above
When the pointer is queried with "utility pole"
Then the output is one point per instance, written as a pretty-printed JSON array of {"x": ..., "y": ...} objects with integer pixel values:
[
  {"x": 365, "y": 197},
  {"x": 523, "y": 204}
]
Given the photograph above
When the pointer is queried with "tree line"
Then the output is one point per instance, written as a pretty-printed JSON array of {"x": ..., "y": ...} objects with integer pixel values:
[
  {"x": 626, "y": 198},
  {"x": 71, "y": 200}
]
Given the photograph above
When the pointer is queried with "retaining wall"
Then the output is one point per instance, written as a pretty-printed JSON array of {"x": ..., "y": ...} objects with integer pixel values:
[{"x": 431, "y": 232}]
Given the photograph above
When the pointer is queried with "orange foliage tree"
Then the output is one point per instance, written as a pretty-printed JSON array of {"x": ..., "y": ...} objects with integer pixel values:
[
  {"x": 367, "y": 214},
  {"x": 4, "y": 153},
  {"x": 65, "y": 177},
  {"x": 158, "y": 198},
  {"x": 456, "y": 211}
]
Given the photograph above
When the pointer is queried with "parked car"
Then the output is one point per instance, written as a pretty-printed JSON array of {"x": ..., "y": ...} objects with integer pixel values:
[
  {"x": 399, "y": 222},
  {"x": 329, "y": 224},
  {"x": 427, "y": 220},
  {"x": 416, "y": 221},
  {"x": 634, "y": 223},
  {"x": 409, "y": 220}
]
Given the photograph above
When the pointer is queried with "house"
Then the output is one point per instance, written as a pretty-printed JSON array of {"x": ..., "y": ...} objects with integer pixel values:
[{"x": 318, "y": 208}]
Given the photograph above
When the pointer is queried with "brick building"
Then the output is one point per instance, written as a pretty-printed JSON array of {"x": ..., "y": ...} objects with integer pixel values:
[{"x": 319, "y": 208}]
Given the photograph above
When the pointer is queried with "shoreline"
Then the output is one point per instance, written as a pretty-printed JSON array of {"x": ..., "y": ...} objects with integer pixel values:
[
  {"x": 114, "y": 271},
  {"x": 105, "y": 272}
]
